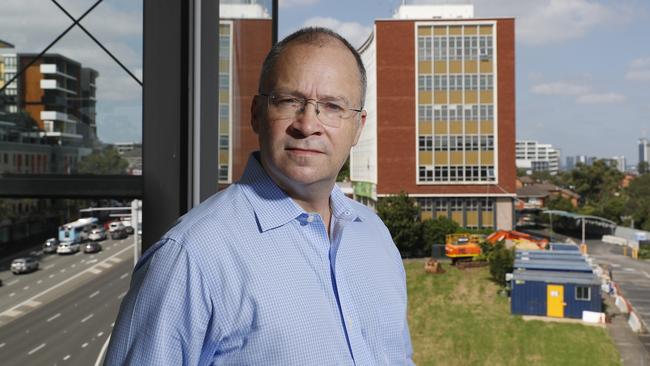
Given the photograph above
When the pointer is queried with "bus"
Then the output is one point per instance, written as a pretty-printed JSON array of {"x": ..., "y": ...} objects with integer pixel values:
[{"x": 76, "y": 231}]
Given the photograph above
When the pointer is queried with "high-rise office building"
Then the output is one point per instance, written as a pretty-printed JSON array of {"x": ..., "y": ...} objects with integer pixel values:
[
  {"x": 8, "y": 69},
  {"x": 441, "y": 115},
  {"x": 644, "y": 145},
  {"x": 534, "y": 157}
]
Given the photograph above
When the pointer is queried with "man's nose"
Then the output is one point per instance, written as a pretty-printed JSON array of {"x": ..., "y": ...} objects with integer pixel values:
[{"x": 306, "y": 120}]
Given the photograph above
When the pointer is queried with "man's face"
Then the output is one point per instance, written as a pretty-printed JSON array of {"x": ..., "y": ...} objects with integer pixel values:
[{"x": 300, "y": 150}]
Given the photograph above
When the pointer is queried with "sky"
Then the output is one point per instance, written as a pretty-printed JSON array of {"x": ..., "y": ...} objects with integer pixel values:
[{"x": 582, "y": 66}]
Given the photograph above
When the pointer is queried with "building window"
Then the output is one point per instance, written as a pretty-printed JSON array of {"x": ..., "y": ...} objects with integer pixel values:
[
  {"x": 583, "y": 293},
  {"x": 425, "y": 143},
  {"x": 487, "y": 142},
  {"x": 424, "y": 48},
  {"x": 426, "y": 204},
  {"x": 441, "y": 113},
  {"x": 424, "y": 82},
  {"x": 487, "y": 81},
  {"x": 224, "y": 81},
  {"x": 425, "y": 174},
  {"x": 424, "y": 112},
  {"x": 223, "y": 172},
  {"x": 441, "y": 143},
  {"x": 456, "y": 204},
  {"x": 223, "y": 142},
  {"x": 439, "y": 48},
  {"x": 487, "y": 112}
]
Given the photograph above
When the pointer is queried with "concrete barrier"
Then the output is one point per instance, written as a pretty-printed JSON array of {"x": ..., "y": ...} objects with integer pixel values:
[
  {"x": 635, "y": 323},
  {"x": 621, "y": 304},
  {"x": 611, "y": 239}
]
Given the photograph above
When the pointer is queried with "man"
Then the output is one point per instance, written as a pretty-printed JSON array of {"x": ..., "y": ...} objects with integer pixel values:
[{"x": 280, "y": 268}]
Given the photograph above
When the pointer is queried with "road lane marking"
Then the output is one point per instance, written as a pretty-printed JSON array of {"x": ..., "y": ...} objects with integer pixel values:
[
  {"x": 54, "y": 317},
  {"x": 73, "y": 265},
  {"x": 124, "y": 276},
  {"x": 32, "y": 303},
  {"x": 12, "y": 282},
  {"x": 115, "y": 260},
  {"x": 39, "y": 282},
  {"x": 66, "y": 357},
  {"x": 26, "y": 288},
  {"x": 12, "y": 294},
  {"x": 48, "y": 266},
  {"x": 100, "y": 334},
  {"x": 100, "y": 357},
  {"x": 93, "y": 294},
  {"x": 63, "y": 270},
  {"x": 13, "y": 312},
  {"x": 51, "y": 276},
  {"x": 36, "y": 349},
  {"x": 646, "y": 274},
  {"x": 84, "y": 345},
  {"x": 2, "y": 344},
  {"x": 86, "y": 318},
  {"x": 95, "y": 271},
  {"x": 105, "y": 265},
  {"x": 121, "y": 295},
  {"x": 92, "y": 261}
]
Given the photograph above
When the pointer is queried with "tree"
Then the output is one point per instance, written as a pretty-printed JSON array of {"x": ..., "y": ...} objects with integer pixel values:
[
  {"x": 103, "y": 162},
  {"x": 638, "y": 205},
  {"x": 434, "y": 231},
  {"x": 344, "y": 173},
  {"x": 400, "y": 214},
  {"x": 501, "y": 261},
  {"x": 559, "y": 203},
  {"x": 594, "y": 182},
  {"x": 643, "y": 167}
]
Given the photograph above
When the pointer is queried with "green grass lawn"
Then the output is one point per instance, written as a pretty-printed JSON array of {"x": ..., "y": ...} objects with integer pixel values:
[{"x": 457, "y": 318}]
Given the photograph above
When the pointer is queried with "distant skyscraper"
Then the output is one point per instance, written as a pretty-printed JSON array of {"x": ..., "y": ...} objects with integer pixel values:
[
  {"x": 643, "y": 149},
  {"x": 619, "y": 162}
]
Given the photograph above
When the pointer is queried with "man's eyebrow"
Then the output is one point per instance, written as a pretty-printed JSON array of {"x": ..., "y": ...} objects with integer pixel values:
[{"x": 296, "y": 93}]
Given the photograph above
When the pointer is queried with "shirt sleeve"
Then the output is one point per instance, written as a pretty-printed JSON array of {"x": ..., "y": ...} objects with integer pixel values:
[
  {"x": 164, "y": 318},
  {"x": 407, "y": 345}
]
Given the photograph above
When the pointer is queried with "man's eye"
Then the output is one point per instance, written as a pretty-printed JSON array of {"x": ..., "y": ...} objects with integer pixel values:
[
  {"x": 287, "y": 101},
  {"x": 332, "y": 107}
]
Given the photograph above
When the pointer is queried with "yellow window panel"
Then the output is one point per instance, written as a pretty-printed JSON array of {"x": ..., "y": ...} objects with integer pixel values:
[
  {"x": 224, "y": 97},
  {"x": 470, "y": 30},
  {"x": 223, "y": 158},
  {"x": 425, "y": 97},
  {"x": 488, "y": 219},
  {"x": 455, "y": 30},
  {"x": 442, "y": 214},
  {"x": 424, "y": 67},
  {"x": 471, "y": 157},
  {"x": 487, "y": 127},
  {"x": 487, "y": 157},
  {"x": 440, "y": 97},
  {"x": 439, "y": 67},
  {"x": 224, "y": 128},
  {"x": 471, "y": 127},
  {"x": 471, "y": 67},
  {"x": 485, "y": 29},
  {"x": 456, "y": 157},
  {"x": 455, "y": 97},
  {"x": 441, "y": 157},
  {"x": 425, "y": 157},
  {"x": 224, "y": 65},
  {"x": 471, "y": 97},
  {"x": 425, "y": 128},
  {"x": 487, "y": 96},
  {"x": 458, "y": 217},
  {"x": 440, "y": 31},
  {"x": 426, "y": 215},
  {"x": 486, "y": 67},
  {"x": 456, "y": 127},
  {"x": 440, "y": 127},
  {"x": 455, "y": 67},
  {"x": 424, "y": 31},
  {"x": 472, "y": 218}
]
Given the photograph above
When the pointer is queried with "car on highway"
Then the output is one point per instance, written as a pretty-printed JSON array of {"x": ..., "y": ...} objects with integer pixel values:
[
  {"x": 119, "y": 233},
  {"x": 115, "y": 225},
  {"x": 68, "y": 248},
  {"x": 97, "y": 234},
  {"x": 50, "y": 245},
  {"x": 92, "y": 247},
  {"x": 24, "y": 265}
]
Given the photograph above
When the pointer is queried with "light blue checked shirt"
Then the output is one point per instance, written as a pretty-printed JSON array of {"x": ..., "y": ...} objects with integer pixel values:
[{"x": 250, "y": 278}]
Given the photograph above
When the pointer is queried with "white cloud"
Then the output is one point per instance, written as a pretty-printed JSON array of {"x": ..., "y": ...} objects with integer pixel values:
[
  {"x": 559, "y": 88},
  {"x": 583, "y": 94},
  {"x": 355, "y": 33},
  {"x": 287, "y": 3},
  {"x": 600, "y": 98},
  {"x": 639, "y": 70},
  {"x": 551, "y": 21}
]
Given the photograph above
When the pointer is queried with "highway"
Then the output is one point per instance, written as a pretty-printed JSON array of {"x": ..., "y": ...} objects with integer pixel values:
[{"x": 63, "y": 314}]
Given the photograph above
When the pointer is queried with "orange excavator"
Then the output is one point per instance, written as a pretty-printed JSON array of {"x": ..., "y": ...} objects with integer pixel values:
[
  {"x": 517, "y": 239},
  {"x": 463, "y": 246}
]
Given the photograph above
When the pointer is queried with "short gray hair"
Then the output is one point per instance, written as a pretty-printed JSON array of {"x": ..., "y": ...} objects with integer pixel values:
[{"x": 316, "y": 36}]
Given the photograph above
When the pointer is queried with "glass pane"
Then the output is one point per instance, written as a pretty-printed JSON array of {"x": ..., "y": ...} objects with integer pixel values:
[
  {"x": 61, "y": 303},
  {"x": 74, "y": 109},
  {"x": 245, "y": 37}
]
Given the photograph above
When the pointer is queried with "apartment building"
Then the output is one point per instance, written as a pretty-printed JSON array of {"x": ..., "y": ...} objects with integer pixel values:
[
  {"x": 8, "y": 69},
  {"x": 441, "y": 115}
]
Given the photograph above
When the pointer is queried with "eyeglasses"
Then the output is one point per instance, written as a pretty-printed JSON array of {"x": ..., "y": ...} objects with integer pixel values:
[{"x": 330, "y": 112}]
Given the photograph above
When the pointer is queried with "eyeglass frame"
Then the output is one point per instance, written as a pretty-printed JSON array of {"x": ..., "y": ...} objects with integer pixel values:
[{"x": 316, "y": 102}]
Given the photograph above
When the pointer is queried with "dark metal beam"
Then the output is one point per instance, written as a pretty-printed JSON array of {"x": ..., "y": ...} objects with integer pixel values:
[{"x": 70, "y": 186}]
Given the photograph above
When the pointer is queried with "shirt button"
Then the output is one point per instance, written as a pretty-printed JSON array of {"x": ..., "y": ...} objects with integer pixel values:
[
  {"x": 347, "y": 212},
  {"x": 310, "y": 218}
]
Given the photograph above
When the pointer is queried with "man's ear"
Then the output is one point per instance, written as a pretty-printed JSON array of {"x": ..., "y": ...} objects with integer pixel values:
[{"x": 256, "y": 113}]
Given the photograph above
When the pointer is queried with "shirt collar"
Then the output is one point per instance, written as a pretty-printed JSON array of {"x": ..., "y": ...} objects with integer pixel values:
[{"x": 273, "y": 207}]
